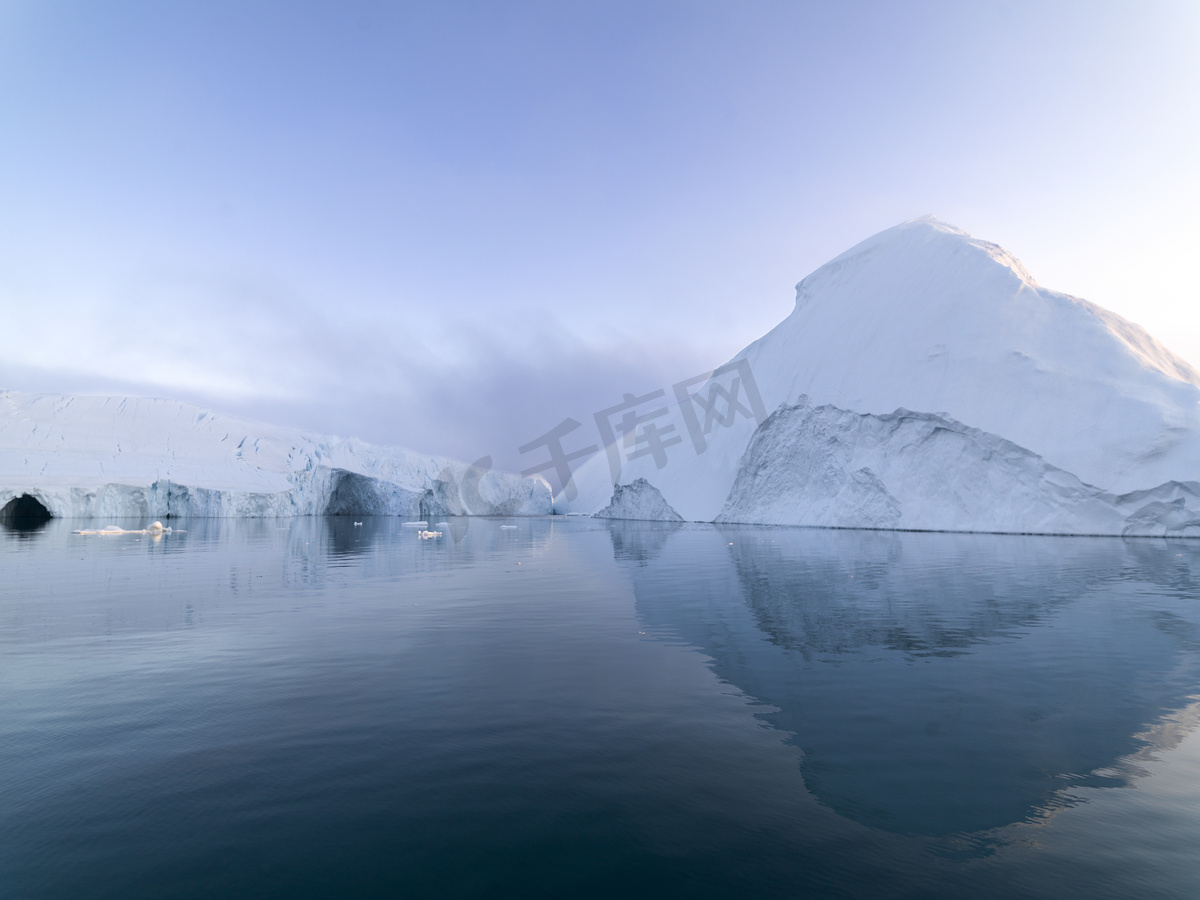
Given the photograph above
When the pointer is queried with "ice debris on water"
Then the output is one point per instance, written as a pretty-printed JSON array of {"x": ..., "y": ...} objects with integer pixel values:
[{"x": 154, "y": 529}]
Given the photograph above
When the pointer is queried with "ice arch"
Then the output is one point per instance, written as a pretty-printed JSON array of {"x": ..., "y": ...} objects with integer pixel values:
[{"x": 25, "y": 511}]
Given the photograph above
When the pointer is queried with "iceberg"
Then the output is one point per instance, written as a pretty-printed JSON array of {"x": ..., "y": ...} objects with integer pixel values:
[
  {"x": 638, "y": 500},
  {"x": 121, "y": 457},
  {"x": 925, "y": 380}
]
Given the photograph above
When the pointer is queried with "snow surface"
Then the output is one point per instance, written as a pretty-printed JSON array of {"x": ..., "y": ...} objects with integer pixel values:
[
  {"x": 130, "y": 457},
  {"x": 925, "y": 317}
]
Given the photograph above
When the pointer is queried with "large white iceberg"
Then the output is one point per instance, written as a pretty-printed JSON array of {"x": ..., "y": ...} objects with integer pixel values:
[
  {"x": 925, "y": 380},
  {"x": 144, "y": 458}
]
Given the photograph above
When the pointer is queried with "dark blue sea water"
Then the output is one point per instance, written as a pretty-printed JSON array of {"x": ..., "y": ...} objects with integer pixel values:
[{"x": 572, "y": 708}]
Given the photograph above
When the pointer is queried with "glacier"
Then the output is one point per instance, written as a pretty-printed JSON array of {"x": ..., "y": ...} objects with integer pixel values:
[
  {"x": 123, "y": 457},
  {"x": 924, "y": 380}
]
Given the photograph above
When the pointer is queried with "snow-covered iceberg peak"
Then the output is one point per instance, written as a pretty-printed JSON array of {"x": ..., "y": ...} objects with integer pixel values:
[
  {"x": 937, "y": 249},
  {"x": 926, "y": 317}
]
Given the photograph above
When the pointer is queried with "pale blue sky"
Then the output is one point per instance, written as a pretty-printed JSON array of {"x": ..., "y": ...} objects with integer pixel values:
[{"x": 450, "y": 226}]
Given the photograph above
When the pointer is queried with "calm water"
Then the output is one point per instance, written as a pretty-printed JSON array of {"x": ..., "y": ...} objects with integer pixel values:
[{"x": 306, "y": 708}]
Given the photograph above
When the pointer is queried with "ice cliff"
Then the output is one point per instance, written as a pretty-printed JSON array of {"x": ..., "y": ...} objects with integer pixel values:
[
  {"x": 925, "y": 380},
  {"x": 128, "y": 457},
  {"x": 826, "y": 466}
]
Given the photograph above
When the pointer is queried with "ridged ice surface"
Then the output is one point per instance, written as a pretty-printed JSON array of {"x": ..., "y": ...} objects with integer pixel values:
[
  {"x": 825, "y": 466},
  {"x": 639, "y": 500}
]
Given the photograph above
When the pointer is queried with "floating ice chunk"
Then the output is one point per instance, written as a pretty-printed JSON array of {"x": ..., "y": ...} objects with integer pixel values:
[{"x": 156, "y": 529}]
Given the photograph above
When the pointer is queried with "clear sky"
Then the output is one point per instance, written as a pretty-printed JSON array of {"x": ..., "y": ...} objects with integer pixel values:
[{"x": 452, "y": 225}]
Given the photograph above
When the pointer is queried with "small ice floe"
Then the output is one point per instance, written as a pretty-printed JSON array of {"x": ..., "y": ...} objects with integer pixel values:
[
  {"x": 417, "y": 524},
  {"x": 506, "y": 527},
  {"x": 357, "y": 524},
  {"x": 156, "y": 528},
  {"x": 442, "y": 525},
  {"x": 426, "y": 535}
]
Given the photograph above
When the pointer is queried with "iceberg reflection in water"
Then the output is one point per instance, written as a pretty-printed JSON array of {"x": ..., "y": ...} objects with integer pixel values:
[
  {"x": 940, "y": 683},
  {"x": 310, "y": 707}
]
